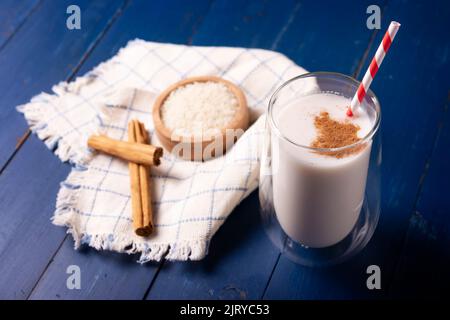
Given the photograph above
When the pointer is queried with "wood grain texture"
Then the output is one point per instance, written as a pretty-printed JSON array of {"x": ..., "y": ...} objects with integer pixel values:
[
  {"x": 28, "y": 239},
  {"x": 108, "y": 275},
  {"x": 29, "y": 185},
  {"x": 13, "y": 14},
  {"x": 289, "y": 27},
  {"x": 411, "y": 107},
  {"x": 424, "y": 252},
  {"x": 411, "y": 241},
  {"x": 42, "y": 53},
  {"x": 424, "y": 264}
]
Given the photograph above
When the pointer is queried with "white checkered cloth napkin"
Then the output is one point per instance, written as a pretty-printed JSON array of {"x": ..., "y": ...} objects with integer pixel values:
[{"x": 191, "y": 200}]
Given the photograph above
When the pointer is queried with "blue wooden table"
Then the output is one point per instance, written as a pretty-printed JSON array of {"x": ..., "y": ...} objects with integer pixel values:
[{"x": 412, "y": 242}]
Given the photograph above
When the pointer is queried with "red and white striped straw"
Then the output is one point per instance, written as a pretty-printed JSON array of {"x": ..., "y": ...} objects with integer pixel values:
[{"x": 374, "y": 65}]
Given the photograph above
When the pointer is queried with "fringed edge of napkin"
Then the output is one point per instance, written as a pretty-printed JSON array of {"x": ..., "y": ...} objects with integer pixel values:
[
  {"x": 65, "y": 215},
  {"x": 37, "y": 116}
]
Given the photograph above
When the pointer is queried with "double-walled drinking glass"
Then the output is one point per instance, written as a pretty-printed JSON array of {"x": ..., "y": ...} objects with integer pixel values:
[{"x": 319, "y": 212}]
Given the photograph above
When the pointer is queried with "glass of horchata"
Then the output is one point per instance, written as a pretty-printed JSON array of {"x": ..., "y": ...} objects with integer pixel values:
[{"x": 320, "y": 169}]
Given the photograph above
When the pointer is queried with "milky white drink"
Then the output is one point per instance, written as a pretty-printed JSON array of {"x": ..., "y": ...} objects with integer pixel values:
[{"x": 317, "y": 197}]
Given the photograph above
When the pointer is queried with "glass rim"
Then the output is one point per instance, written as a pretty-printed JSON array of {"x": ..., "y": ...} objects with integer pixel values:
[{"x": 316, "y": 74}]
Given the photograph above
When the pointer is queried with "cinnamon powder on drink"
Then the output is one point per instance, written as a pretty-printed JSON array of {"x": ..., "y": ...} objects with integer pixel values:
[{"x": 335, "y": 134}]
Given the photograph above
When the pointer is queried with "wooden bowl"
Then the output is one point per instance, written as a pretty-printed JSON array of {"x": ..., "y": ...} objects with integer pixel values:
[{"x": 195, "y": 149}]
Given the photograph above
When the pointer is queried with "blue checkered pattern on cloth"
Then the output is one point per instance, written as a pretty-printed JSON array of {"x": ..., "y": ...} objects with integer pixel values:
[{"x": 191, "y": 200}]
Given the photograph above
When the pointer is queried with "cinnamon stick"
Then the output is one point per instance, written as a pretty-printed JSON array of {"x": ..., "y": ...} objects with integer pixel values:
[
  {"x": 144, "y": 179},
  {"x": 131, "y": 151},
  {"x": 136, "y": 204}
]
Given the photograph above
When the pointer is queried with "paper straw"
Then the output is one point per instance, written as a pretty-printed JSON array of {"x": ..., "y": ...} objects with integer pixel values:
[{"x": 373, "y": 68}]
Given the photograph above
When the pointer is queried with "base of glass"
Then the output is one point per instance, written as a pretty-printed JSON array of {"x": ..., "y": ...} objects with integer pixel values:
[{"x": 354, "y": 242}]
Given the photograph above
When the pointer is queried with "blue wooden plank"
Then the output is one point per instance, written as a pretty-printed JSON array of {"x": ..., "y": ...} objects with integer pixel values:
[
  {"x": 239, "y": 263},
  {"x": 27, "y": 239},
  {"x": 327, "y": 35},
  {"x": 423, "y": 271},
  {"x": 13, "y": 14},
  {"x": 104, "y": 275},
  {"x": 41, "y": 53},
  {"x": 293, "y": 29},
  {"x": 108, "y": 275},
  {"x": 173, "y": 21},
  {"x": 411, "y": 103}
]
